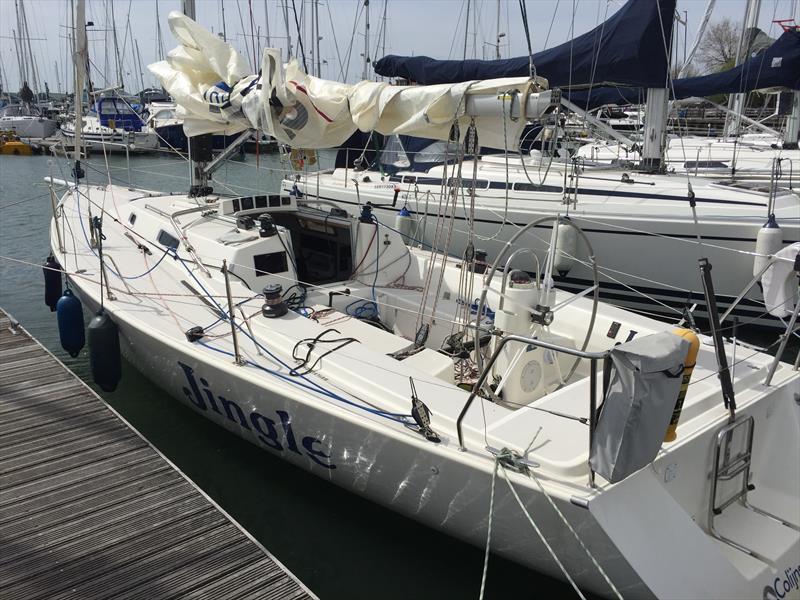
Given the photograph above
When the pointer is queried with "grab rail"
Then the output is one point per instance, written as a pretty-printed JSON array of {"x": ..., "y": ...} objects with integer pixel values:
[{"x": 592, "y": 356}]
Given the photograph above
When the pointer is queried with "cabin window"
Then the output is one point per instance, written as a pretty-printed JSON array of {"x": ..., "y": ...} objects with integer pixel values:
[
  {"x": 273, "y": 262},
  {"x": 132, "y": 219},
  {"x": 466, "y": 182},
  {"x": 165, "y": 239},
  {"x": 704, "y": 164}
]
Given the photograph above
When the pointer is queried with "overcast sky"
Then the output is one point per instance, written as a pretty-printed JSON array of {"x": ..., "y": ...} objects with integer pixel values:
[{"x": 432, "y": 27}]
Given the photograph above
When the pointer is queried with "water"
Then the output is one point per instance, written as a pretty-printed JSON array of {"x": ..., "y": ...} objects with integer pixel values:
[{"x": 338, "y": 544}]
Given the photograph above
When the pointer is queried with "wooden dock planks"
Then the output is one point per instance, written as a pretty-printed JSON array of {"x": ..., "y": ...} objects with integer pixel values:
[{"x": 89, "y": 509}]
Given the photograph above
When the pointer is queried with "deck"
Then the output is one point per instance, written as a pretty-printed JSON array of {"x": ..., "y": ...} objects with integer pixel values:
[{"x": 89, "y": 509}]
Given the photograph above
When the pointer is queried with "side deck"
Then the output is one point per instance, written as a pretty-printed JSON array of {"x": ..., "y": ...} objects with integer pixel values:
[{"x": 89, "y": 509}]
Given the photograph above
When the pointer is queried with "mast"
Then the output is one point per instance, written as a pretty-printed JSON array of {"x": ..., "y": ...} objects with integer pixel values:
[
  {"x": 383, "y": 28},
  {"x": 466, "y": 31},
  {"x": 655, "y": 131},
  {"x": 139, "y": 64},
  {"x": 790, "y": 136},
  {"x": 200, "y": 146},
  {"x": 288, "y": 30},
  {"x": 738, "y": 102},
  {"x": 366, "y": 40},
  {"x": 80, "y": 58},
  {"x": 20, "y": 64},
  {"x": 475, "y": 30},
  {"x": 266, "y": 24},
  {"x": 497, "y": 39},
  {"x": 22, "y": 44},
  {"x": 317, "y": 38},
  {"x": 224, "y": 26},
  {"x": 160, "y": 37},
  {"x": 58, "y": 78},
  {"x": 117, "y": 57}
]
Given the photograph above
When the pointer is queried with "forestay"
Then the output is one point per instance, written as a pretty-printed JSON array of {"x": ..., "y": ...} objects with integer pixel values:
[{"x": 216, "y": 93}]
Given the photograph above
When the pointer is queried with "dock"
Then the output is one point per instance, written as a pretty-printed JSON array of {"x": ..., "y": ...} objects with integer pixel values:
[{"x": 90, "y": 509}]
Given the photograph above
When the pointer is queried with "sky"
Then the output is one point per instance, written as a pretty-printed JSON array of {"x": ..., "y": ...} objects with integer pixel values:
[{"x": 413, "y": 27}]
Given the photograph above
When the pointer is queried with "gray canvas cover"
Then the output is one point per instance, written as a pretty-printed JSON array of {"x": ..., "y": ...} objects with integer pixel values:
[{"x": 643, "y": 387}]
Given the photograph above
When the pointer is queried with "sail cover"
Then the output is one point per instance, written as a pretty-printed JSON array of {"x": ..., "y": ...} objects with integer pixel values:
[
  {"x": 216, "y": 93},
  {"x": 775, "y": 67},
  {"x": 627, "y": 49}
]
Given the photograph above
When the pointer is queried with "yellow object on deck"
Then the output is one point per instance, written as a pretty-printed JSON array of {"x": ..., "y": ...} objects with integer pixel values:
[{"x": 688, "y": 366}]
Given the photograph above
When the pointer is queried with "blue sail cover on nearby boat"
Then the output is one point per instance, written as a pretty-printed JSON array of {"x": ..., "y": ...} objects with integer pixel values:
[
  {"x": 627, "y": 49},
  {"x": 776, "y": 66}
]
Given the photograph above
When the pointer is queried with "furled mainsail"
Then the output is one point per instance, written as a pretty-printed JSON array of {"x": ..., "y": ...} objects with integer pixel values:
[{"x": 216, "y": 93}]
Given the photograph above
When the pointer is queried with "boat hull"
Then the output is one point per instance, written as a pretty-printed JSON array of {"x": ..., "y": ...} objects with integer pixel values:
[
  {"x": 441, "y": 489},
  {"x": 30, "y": 127},
  {"x": 135, "y": 142}
]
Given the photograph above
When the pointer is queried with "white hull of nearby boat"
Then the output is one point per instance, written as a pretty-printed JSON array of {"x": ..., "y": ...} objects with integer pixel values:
[
  {"x": 114, "y": 140},
  {"x": 647, "y": 532},
  {"x": 714, "y": 157},
  {"x": 644, "y": 237},
  {"x": 29, "y": 127}
]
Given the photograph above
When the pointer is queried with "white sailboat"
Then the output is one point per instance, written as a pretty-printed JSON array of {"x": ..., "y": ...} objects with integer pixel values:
[
  {"x": 324, "y": 339},
  {"x": 27, "y": 121},
  {"x": 111, "y": 125}
]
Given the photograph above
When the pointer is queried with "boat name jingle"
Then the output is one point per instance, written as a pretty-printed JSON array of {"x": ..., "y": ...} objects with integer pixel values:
[{"x": 265, "y": 428}]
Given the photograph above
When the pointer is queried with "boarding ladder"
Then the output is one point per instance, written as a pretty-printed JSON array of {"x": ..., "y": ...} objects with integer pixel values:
[
  {"x": 733, "y": 444},
  {"x": 733, "y": 454}
]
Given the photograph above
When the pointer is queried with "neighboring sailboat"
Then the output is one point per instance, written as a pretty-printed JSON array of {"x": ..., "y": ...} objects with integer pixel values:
[
  {"x": 112, "y": 125},
  {"x": 26, "y": 121}
]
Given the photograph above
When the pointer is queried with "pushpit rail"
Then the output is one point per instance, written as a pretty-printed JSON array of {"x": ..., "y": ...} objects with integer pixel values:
[{"x": 593, "y": 357}]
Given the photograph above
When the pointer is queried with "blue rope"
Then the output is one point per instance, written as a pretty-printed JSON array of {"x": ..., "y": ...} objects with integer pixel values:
[
  {"x": 89, "y": 245},
  {"x": 310, "y": 385}
]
